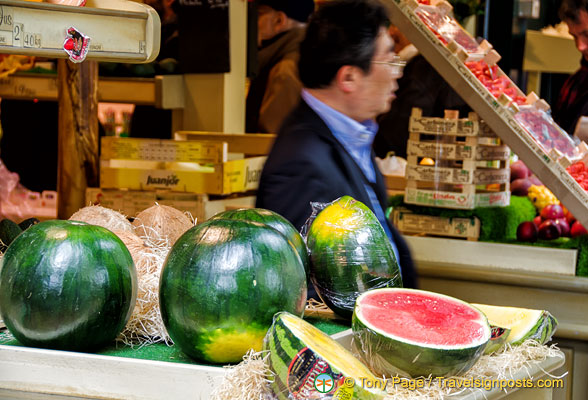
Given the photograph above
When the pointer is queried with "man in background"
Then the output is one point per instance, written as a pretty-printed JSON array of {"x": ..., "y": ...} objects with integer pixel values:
[
  {"x": 323, "y": 150},
  {"x": 275, "y": 90},
  {"x": 572, "y": 103},
  {"x": 420, "y": 86}
]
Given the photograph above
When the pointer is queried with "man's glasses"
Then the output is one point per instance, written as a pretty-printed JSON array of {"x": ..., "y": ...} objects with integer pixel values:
[{"x": 396, "y": 64}]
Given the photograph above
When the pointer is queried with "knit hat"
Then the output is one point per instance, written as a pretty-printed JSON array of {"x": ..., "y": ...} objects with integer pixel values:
[{"x": 299, "y": 10}]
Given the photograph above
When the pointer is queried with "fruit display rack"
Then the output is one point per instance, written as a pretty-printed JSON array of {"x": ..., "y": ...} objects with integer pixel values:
[
  {"x": 522, "y": 122},
  {"x": 455, "y": 163},
  {"x": 122, "y": 31}
]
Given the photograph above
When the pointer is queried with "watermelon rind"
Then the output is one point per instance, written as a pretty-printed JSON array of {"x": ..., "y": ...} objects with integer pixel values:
[
  {"x": 524, "y": 323},
  {"x": 67, "y": 285},
  {"x": 390, "y": 355},
  {"x": 497, "y": 340},
  {"x": 222, "y": 283},
  {"x": 350, "y": 253},
  {"x": 300, "y": 351}
]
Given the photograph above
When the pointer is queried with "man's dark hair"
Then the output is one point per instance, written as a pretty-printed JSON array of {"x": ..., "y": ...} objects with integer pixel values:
[
  {"x": 341, "y": 32},
  {"x": 570, "y": 9}
]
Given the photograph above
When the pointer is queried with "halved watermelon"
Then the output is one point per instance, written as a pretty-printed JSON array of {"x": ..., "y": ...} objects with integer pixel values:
[
  {"x": 523, "y": 323},
  {"x": 300, "y": 355},
  {"x": 418, "y": 333}
]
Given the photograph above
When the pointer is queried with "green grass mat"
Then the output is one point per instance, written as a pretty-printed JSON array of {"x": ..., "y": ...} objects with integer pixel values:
[{"x": 162, "y": 352}]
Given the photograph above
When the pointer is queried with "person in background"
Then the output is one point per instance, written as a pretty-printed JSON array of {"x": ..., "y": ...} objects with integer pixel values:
[
  {"x": 275, "y": 90},
  {"x": 323, "y": 150},
  {"x": 420, "y": 86},
  {"x": 572, "y": 103}
]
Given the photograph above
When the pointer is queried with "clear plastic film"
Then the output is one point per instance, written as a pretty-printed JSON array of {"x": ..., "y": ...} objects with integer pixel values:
[
  {"x": 350, "y": 253},
  {"x": 454, "y": 162},
  {"x": 446, "y": 28},
  {"x": 539, "y": 124},
  {"x": 306, "y": 363}
]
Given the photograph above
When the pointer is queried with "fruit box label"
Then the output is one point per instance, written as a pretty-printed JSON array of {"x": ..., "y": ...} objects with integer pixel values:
[
  {"x": 436, "y": 174},
  {"x": 489, "y": 176},
  {"x": 409, "y": 222},
  {"x": 439, "y": 199},
  {"x": 432, "y": 125},
  {"x": 492, "y": 152}
]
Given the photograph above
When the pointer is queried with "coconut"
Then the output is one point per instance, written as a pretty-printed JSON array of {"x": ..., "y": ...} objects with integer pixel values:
[
  {"x": 145, "y": 325},
  {"x": 104, "y": 217},
  {"x": 160, "y": 221}
]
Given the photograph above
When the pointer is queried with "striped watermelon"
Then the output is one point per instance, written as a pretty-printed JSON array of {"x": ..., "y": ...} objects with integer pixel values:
[
  {"x": 301, "y": 354},
  {"x": 417, "y": 333},
  {"x": 523, "y": 323},
  {"x": 222, "y": 283},
  {"x": 350, "y": 253}
]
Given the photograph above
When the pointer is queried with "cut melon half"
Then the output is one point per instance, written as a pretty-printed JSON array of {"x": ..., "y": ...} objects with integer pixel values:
[
  {"x": 523, "y": 323},
  {"x": 300, "y": 354},
  {"x": 418, "y": 333}
]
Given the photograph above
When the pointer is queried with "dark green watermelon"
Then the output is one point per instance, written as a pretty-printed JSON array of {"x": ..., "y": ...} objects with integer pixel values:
[
  {"x": 67, "y": 285},
  {"x": 350, "y": 253},
  {"x": 221, "y": 284},
  {"x": 9, "y": 230},
  {"x": 274, "y": 220}
]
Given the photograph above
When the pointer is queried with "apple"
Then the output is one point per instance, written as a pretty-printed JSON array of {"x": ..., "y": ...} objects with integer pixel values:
[
  {"x": 568, "y": 216},
  {"x": 518, "y": 170},
  {"x": 549, "y": 230},
  {"x": 527, "y": 232},
  {"x": 520, "y": 187},
  {"x": 552, "y": 211},
  {"x": 537, "y": 220},
  {"x": 577, "y": 229},
  {"x": 564, "y": 227}
]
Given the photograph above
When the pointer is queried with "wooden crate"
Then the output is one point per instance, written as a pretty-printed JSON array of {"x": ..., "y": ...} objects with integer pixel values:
[
  {"x": 462, "y": 169},
  {"x": 181, "y": 166},
  {"x": 408, "y": 222}
]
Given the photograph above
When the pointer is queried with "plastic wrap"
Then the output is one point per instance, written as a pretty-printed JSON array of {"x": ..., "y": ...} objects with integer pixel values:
[
  {"x": 455, "y": 163},
  {"x": 545, "y": 131},
  {"x": 496, "y": 81},
  {"x": 416, "y": 333},
  {"x": 350, "y": 253},
  {"x": 308, "y": 364},
  {"x": 446, "y": 28}
]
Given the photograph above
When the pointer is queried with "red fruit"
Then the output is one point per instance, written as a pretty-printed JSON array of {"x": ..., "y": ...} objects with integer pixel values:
[
  {"x": 577, "y": 230},
  {"x": 552, "y": 211},
  {"x": 564, "y": 227},
  {"x": 527, "y": 232},
  {"x": 568, "y": 216},
  {"x": 537, "y": 220},
  {"x": 518, "y": 170},
  {"x": 549, "y": 230},
  {"x": 520, "y": 187}
]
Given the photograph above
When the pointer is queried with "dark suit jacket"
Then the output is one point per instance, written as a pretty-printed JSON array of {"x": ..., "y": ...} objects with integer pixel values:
[{"x": 307, "y": 164}]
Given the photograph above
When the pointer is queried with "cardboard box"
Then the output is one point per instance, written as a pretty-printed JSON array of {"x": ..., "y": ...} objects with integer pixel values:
[
  {"x": 229, "y": 177},
  {"x": 408, "y": 222}
]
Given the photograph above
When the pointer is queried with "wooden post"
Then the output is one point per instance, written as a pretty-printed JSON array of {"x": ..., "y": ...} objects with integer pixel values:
[{"x": 77, "y": 165}]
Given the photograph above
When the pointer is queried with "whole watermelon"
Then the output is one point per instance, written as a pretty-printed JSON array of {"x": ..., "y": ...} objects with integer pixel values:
[
  {"x": 350, "y": 253},
  {"x": 274, "y": 220},
  {"x": 221, "y": 284},
  {"x": 67, "y": 285}
]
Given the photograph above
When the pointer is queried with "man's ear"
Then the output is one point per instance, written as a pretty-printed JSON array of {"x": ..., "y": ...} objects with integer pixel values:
[
  {"x": 347, "y": 78},
  {"x": 280, "y": 21}
]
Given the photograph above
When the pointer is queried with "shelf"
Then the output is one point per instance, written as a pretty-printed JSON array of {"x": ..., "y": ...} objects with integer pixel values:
[
  {"x": 118, "y": 30},
  {"x": 450, "y": 65},
  {"x": 163, "y": 91}
]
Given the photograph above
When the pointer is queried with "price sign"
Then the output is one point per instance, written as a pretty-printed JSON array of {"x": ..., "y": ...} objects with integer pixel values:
[
  {"x": 6, "y": 18},
  {"x": 17, "y": 35},
  {"x": 32, "y": 40}
]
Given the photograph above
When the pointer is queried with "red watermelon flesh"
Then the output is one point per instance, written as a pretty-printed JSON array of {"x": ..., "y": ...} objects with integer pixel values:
[
  {"x": 418, "y": 333},
  {"x": 421, "y": 317}
]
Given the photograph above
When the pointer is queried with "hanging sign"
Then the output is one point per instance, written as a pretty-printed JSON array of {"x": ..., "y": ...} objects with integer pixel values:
[{"x": 76, "y": 45}]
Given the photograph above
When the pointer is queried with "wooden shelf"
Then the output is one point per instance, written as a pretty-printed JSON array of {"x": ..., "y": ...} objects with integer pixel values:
[
  {"x": 500, "y": 119},
  {"x": 163, "y": 91},
  {"x": 118, "y": 30}
]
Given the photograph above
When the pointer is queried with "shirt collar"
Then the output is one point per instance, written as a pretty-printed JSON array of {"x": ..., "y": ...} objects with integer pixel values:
[{"x": 344, "y": 128}]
